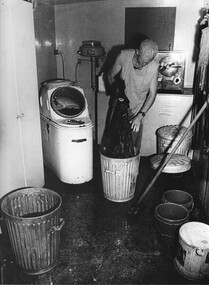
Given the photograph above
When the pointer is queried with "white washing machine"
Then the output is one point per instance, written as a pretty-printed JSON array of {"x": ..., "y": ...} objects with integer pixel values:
[{"x": 67, "y": 131}]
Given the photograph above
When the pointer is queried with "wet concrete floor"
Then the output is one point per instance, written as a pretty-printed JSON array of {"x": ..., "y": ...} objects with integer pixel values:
[{"x": 101, "y": 244}]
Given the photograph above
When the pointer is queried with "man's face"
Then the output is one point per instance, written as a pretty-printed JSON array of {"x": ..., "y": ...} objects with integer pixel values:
[{"x": 142, "y": 60}]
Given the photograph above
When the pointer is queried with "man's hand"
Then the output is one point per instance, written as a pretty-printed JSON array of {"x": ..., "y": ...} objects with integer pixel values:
[
  {"x": 110, "y": 78},
  {"x": 136, "y": 122}
]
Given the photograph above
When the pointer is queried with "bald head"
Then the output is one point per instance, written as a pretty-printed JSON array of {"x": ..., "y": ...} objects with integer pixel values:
[{"x": 148, "y": 50}]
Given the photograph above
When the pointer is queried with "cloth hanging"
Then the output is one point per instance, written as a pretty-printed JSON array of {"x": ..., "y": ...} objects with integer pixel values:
[
  {"x": 203, "y": 57},
  {"x": 201, "y": 88}
]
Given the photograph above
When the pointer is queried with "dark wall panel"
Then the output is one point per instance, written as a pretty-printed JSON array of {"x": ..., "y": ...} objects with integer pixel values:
[{"x": 157, "y": 23}]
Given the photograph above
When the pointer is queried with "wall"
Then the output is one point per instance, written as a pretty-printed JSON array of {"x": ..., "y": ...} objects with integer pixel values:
[
  {"x": 86, "y": 21},
  {"x": 44, "y": 22},
  {"x": 105, "y": 21}
]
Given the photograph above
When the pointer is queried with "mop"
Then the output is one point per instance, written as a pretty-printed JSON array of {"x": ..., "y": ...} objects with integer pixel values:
[{"x": 202, "y": 70}]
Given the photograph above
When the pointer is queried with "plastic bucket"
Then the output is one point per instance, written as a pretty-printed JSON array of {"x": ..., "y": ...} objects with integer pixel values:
[
  {"x": 179, "y": 197},
  {"x": 168, "y": 136},
  {"x": 192, "y": 257},
  {"x": 168, "y": 219},
  {"x": 119, "y": 177},
  {"x": 32, "y": 218}
]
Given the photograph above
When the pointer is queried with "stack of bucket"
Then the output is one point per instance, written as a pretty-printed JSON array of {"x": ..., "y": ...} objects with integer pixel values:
[
  {"x": 188, "y": 239},
  {"x": 172, "y": 216},
  {"x": 173, "y": 212},
  {"x": 176, "y": 205}
]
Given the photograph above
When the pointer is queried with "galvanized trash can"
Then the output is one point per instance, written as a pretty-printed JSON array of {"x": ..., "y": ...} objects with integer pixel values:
[
  {"x": 119, "y": 177},
  {"x": 168, "y": 136},
  {"x": 32, "y": 218},
  {"x": 192, "y": 256}
]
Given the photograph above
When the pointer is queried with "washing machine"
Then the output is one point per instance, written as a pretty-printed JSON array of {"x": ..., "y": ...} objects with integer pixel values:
[{"x": 67, "y": 131}]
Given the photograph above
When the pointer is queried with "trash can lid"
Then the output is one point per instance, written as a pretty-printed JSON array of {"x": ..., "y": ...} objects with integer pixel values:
[
  {"x": 195, "y": 234},
  {"x": 173, "y": 131},
  {"x": 177, "y": 164}
]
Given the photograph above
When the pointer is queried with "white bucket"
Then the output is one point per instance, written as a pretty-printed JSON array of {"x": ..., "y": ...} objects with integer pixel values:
[
  {"x": 178, "y": 163},
  {"x": 192, "y": 258},
  {"x": 168, "y": 137},
  {"x": 119, "y": 177}
]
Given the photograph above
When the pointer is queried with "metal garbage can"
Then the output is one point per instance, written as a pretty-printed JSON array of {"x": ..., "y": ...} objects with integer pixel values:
[
  {"x": 168, "y": 136},
  {"x": 32, "y": 218},
  {"x": 191, "y": 259},
  {"x": 119, "y": 176}
]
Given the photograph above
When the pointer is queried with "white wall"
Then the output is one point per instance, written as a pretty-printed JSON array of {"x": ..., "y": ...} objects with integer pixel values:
[
  {"x": 45, "y": 42},
  {"x": 105, "y": 21}
]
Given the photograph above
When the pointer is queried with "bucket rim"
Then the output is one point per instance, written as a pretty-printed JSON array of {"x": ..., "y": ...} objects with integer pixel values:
[
  {"x": 159, "y": 134},
  {"x": 122, "y": 159},
  {"x": 3, "y": 199},
  {"x": 172, "y": 204},
  {"x": 178, "y": 191},
  {"x": 193, "y": 223},
  {"x": 172, "y": 139}
]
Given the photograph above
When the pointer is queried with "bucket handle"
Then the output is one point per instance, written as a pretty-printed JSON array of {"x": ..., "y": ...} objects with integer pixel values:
[
  {"x": 199, "y": 252},
  {"x": 116, "y": 172},
  {"x": 192, "y": 206},
  {"x": 57, "y": 228}
]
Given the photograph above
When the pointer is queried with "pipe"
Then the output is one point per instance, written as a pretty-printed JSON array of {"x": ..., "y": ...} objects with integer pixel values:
[{"x": 93, "y": 72}]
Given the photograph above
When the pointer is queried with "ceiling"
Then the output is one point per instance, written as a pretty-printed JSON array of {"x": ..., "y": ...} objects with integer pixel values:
[{"x": 57, "y": 2}]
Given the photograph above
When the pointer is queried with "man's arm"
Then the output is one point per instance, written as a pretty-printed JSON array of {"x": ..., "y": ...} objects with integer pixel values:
[
  {"x": 136, "y": 121},
  {"x": 151, "y": 96},
  {"x": 115, "y": 69}
]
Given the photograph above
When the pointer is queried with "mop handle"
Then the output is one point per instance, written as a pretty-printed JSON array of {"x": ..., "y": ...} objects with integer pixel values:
[{"x": 172, "y": 152}]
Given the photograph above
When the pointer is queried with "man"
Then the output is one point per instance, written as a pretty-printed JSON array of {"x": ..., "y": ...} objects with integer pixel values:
[{"x": 139, "y": 70}]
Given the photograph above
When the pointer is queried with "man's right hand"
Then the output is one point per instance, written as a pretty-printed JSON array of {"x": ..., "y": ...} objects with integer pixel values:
[
  {"x": 110, "y": 78},
  {"x": 136, "y": 122}
]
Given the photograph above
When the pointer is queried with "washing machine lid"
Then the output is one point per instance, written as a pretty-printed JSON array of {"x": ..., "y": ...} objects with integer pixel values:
[
  {"x": 67, "y": 101},
  {"x": 57, "y": 83},
  {"x": 75, "y": 123}
]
